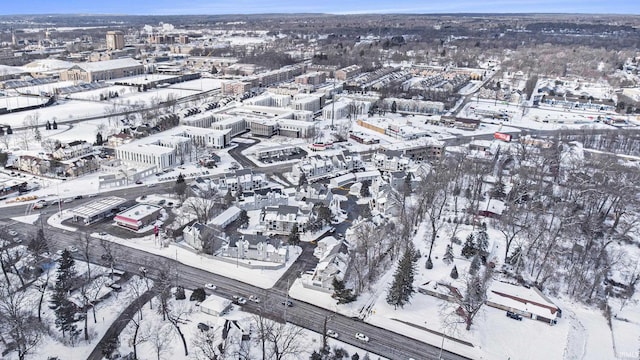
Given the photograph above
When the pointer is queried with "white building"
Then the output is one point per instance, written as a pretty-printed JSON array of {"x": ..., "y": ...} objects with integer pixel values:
[
  {"x": 226, "y": 217},
  {"x": 390, "y": 161},
  {"x": 236, "y": 124}
]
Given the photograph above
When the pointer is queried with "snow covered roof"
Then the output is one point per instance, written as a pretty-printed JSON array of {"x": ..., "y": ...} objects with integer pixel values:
[
  {"x": 225, "y": 216},
  {"x": 215, "y": 303},
  {"x": 521, "y": 298},
  {"x": 139, "y": 211},
  {"x": 10, "y": 70},
  {"x": 108, "y": 64},
  {"x": 47, "y": 65}
]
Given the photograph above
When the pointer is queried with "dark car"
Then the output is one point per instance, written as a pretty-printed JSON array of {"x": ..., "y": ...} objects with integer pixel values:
[
  {"x": 514, "y": 316},
  {"x": 287, "y": 303},
  {"x": 203, "y": 327},
  {"x": 78, "y": 197}
]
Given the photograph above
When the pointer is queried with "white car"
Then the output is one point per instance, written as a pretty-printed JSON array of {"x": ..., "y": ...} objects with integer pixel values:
[
  {"x": 73, "y": 249},
  {"x": 332, "y": 334},
  {"x": 210, "y": 286},
  {"x": 142, "y": 269},
  {"x": 59, "y": 252},
  {"x": 362, "y": 337},
  {"x": 254, "y": 298},
  {"x": 13, "y": 233}
]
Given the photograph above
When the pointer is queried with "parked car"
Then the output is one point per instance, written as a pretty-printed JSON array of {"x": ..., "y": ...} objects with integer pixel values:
[
  {"x": 139, "y": 182},
  {"x": 332, "y": 334},
  {"x": 142, "y": 269},
  {"x": 210, "y": 286},
  {"x": 362, "y": 337},
  {"x": 288, "y": 303},
  {"x": 78, "y": 197},
  {"x": 254, "y": 298},
  {"x": 73, "y": 249},
  {"x": 203, "y": 327},
  {"x": 239, "y": 300},
  {"x": 514, "y": 316},
  {"x": 13, "y": 233},
  {"x": 67, "y": 200}
]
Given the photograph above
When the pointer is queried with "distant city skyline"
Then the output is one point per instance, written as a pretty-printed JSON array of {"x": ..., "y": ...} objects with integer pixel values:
[{"x": 214, "y": 7}]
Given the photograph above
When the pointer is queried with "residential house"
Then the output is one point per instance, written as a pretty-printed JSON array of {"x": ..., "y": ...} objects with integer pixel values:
[
  {"x": 32, "y": 164},
  {"x": 281, "y": 219},
  {"x": 72, "y": 150},
  {"x": 332, "y": 265},
  {"x": 256, "y": 247},
  {"x": 204, "y": 238},
  {"x": 261, "y": 198}
]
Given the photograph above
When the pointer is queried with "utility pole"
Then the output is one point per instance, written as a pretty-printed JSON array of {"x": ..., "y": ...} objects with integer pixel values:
[{"x": 333, "y": 104}]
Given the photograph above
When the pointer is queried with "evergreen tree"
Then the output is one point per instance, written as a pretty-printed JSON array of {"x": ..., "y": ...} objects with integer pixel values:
[
  {"x": 302, "y": 179},
  {"x": 294, "y": 236},
  {"x": 198, "y": 295},
  {"x": 64, "y": 309},
  {"x": 341, "y": 293},
  {"x": 366, "y": 212},
  {"x": 482, "y": 239},
  {"x": 99, "y": 139},
  {"x": 9, "y": 130},
  {"x": 179, "y": 294},
  {"x": 454, "y": 272},
  {"x": 498, "y": 190},
  {"x": 429, "y": 264},
  {"x": 448, "y": 255},
  {"x": 475, "y": 265},
  {"x": 36, "y": 134},
  {"x": 406, "y": 187},
  {"x": 364, "y": 189},
  {"x": 228, "y": 198},
  {"x": 181, "y": 186},
  {"x": 394, "y": 107},
  {"x": 38, "y": 244},
  {"x": 469, "y": 248},
  {"x": 54, "y": 125},
  {"x": 401, "y": 289}
]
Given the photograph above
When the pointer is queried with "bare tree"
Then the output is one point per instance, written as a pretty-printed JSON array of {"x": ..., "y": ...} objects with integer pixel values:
[
  {"x": 18, "y": 321},
  {"x": 283, "y": 340},
  {"x": 475, "y": 294},
  {"x": 160, "y": 336},
  {"x": 208, "y": 344},
  {"x": 204, "y": 205},
  {"x": 176, "y": 313}
]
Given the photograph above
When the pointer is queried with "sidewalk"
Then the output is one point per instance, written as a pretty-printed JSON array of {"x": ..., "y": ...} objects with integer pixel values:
[{"x": 120, "y": 323}]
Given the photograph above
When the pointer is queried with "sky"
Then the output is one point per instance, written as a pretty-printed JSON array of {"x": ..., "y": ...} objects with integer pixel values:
[{"x": 214, "y": 7}]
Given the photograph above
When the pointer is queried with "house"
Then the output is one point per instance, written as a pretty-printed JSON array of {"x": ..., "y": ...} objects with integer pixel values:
[
  {"x": 261, "y": 198},
  {"x": 390, "y": 161},
  {"x": 32, "y": 164},
  {"x": 256, "y": 247},
  {"x": 241, "y": 180},
  {"x": 281, "y": 219},
  {"x": 72, "y": 150},
  {"x": 208, "y": 239},
  {"x": 333, "y": 264},
  {"x": 314, "y": 193},
  {"x": 526, "y": 301}
]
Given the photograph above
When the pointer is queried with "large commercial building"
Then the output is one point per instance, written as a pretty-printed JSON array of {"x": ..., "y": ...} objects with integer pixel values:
[
  {"x": 103, "y": 70},
  {"x": 138, "y": 217},
  {"x": 115, "y": 40},
  {"x": 171, "y": 147}
]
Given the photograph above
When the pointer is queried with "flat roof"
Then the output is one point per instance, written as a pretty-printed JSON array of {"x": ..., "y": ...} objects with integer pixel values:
[
  {"x": 226, "y": 215},
  {"x": 98, "y": 207},
  {"x": 138, "y": 212}
]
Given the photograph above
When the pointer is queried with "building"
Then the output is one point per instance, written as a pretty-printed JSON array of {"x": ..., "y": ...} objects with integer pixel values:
[
  {"x": 256, "y": 247},
  {"x": 280, "y": 152},
  {"x": 171, "y": 147},
  {"x": 97, "y": 210},
  {"x": 115, "y": 40},
  {"x": 226, "y": 217},
  {"x": 313, "y": 78},
  {"x": 236, "y": 125},
  {"x": 201, "y": 237},
  {"x": 103, "y": 70},
  {"x": 138, "y": 216},
  {"x": 72, "y": 150},
  {"x": 215, "y": 305},
  {"x": 281, "y": 219},
  {"x": 390, "y": 161},
  {"x": 347, "y": 72},
  {"x": 261, "y": 198},
  {"x": 527, "y": 302}
]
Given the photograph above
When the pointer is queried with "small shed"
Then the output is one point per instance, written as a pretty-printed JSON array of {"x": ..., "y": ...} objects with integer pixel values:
[{"x": 215, "y": 305}]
